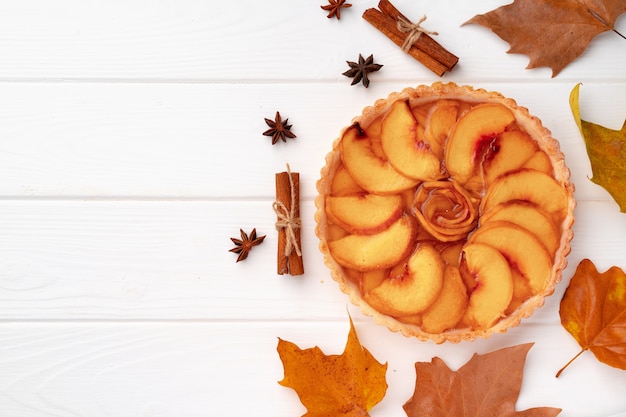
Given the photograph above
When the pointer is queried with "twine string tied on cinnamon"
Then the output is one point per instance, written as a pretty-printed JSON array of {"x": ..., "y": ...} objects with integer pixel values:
[
  {"x": 413, "y": 30},
  {"x": 288, "y": 220}
]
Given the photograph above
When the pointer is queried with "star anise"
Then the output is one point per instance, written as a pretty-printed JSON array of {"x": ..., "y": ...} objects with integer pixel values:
[
  {"x": 246, "y": 243},
  {"x": 359, "y": 70},
  {"x": 279, "y": 129},
  {"x": 334, "y": 8}
]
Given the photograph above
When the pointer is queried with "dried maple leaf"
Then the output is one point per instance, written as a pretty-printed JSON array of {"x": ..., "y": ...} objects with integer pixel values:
[
  {"x": 486, "y": 386},
  {"x": 593, "y": 310},
  {"x": 552, "y": 33},
  {"x": 346, "y": 385},
  {"x": 606, "y": 149}
]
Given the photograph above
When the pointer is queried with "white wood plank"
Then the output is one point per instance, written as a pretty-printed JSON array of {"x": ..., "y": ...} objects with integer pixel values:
[
  {"x": 252, "y": 40},
  {"x": 232, "y": 368},
  {"x": 205, "y": 141},
  {"x": 146, "y": 260},
  {"x": 169, "y": 260}
]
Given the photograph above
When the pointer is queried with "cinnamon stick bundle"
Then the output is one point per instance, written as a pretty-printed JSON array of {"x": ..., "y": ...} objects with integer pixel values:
[
  {"x": 287, "y": 208},
  {"x": 425, "y": 49}
]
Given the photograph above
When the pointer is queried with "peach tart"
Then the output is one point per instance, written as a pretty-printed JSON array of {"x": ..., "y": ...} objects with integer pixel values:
[{"x": 445, "y": 212}]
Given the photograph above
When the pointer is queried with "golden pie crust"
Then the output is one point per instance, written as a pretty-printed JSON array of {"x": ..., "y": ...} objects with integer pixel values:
[{"x": 420, "y": 95}]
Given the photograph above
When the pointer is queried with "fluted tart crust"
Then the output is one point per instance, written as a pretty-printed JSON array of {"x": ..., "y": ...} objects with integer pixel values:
[{"x": 445, "y": 212}]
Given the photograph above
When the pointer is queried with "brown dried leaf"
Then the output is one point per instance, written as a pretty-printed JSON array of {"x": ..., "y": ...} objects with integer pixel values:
[
  {"x": 552, "y": 33},
  {"x": 486, "y": 386},
  {"x": 593, "y": 310},
  {"x": 346, "y": 385}
]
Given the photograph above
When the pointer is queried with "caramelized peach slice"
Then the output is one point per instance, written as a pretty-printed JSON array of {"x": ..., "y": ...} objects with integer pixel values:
[
  {"x": 522, "y": 249},
  {"x": 420, "y": 113},
  {"x": 364, "y": 213},
  {"x": 405, "y": 146},
  {"x": 415, "y": 319},
  {"x": 508, "y": 152},
  {"x": 371, "y": 172},
  {"x": 343, "y": 183},
  {"x": 451, "y": 253},
  {"x": 529, "y": 216},
  {"x": 414, "y": 290},
  {"x": 373, "y": 129},
  {"x": 408, "y": 197},
  {"x": 521, "y": 291},
  {"x": 528, "y": 185},
  {"x": 373, "y": 133},
  {"x": 540, "y": 162},
  {"x": 378, "y": 251},
  {"x": 449, "y": 307},
  {"x": 334, "y": 232},
  {"x": 353, "y": 275},
  {"x": 472, "y": 135},
  {"x": 494, "y": 285},
  {"x": 441, "y": 117},
  {"x": 372, "y": 279}
]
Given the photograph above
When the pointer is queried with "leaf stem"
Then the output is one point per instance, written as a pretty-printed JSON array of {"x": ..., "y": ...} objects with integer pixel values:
[
  {"x": 568, "y": 363},
  {"x": 604, "y": 22}
]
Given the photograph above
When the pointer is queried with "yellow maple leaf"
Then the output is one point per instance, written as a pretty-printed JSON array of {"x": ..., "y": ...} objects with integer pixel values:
[
  {"x": 606, "y": 149},
  {"x": 346, "y": 385}
]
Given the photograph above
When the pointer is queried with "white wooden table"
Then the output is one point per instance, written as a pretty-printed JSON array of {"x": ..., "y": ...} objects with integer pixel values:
[{"x": 131, "y": 151}]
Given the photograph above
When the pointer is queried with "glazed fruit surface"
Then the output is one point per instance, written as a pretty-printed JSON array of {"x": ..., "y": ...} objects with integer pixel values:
[{"x": 446, "y": 214}]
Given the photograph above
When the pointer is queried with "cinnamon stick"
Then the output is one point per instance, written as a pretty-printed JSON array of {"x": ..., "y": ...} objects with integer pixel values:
[
  {"x": 287, "y": 208},
  {"x": 425, "y": 49}
]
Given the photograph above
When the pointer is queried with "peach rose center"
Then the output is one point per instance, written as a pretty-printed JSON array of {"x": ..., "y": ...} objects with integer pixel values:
[{"x": 445, "y": 210}]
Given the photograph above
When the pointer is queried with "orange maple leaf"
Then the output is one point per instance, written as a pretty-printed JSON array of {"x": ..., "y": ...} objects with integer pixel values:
[
  {"x": 593, "y": 310},
  {"x": 486, "y": 386},
  {"x": 346, "y": 385},
  {"x": 552, "y": 33}
]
